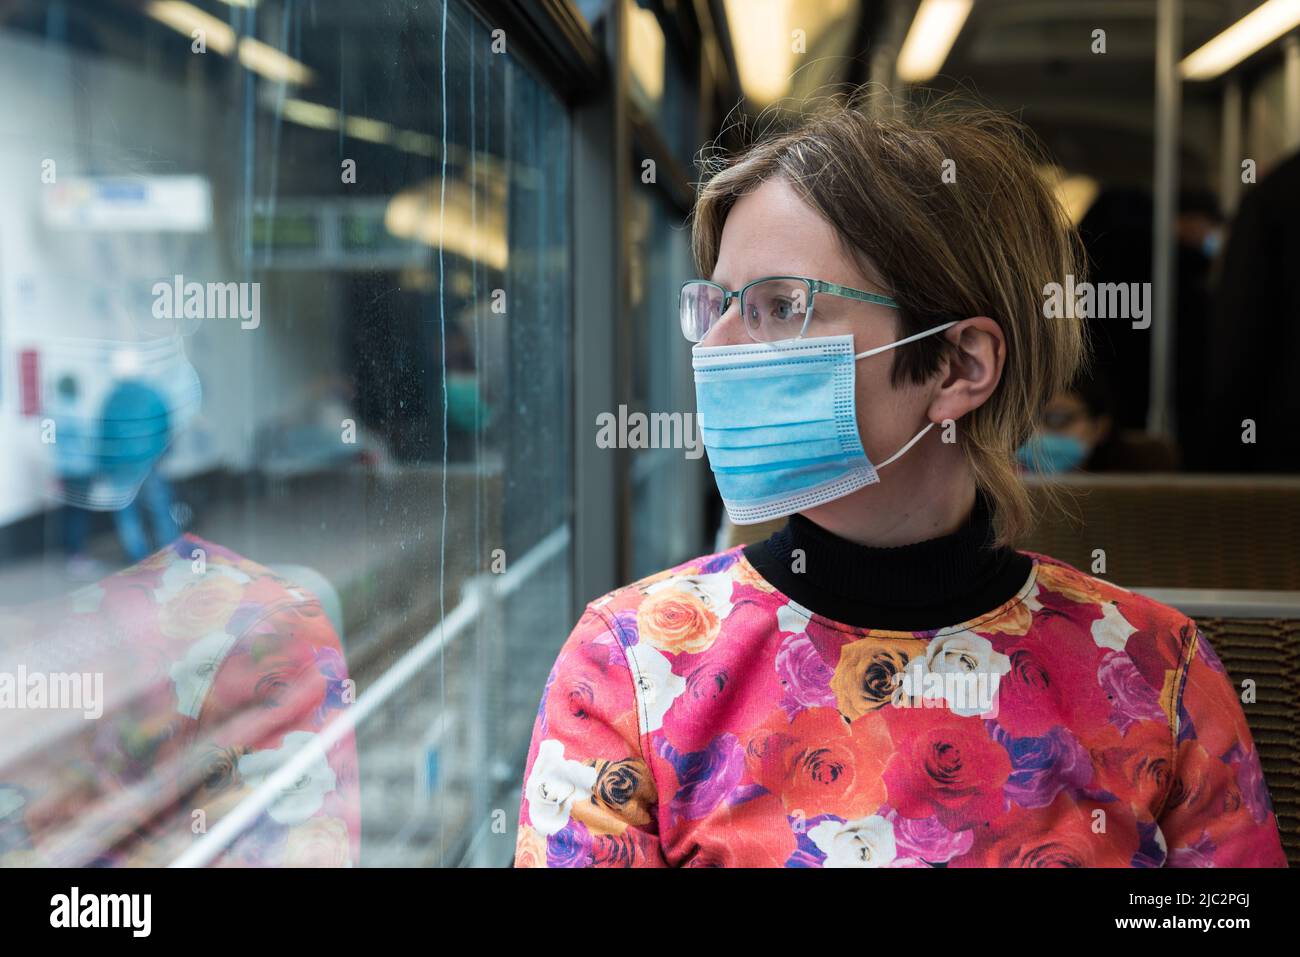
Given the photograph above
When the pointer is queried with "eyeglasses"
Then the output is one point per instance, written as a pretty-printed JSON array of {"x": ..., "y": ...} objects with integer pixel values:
[
  {"x": 774, "y": 307},
  {"x": 1058, "y": 420}
]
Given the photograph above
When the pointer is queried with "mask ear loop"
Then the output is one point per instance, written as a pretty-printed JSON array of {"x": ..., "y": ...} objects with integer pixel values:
[
  {"x": 910, "y": 442},
  {"x": 903, "y": 342}
]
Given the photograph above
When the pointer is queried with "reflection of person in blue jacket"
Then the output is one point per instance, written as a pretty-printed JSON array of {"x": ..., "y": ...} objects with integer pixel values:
[
  {"x": 75, "y": 465},
  {"x": 116, "y": 408},
  {"x": 134, "y": 434}
]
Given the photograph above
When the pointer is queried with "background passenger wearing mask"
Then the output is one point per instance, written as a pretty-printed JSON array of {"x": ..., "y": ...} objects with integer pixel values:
[
  {"x": 1077, "y": 433},
  {"x": 1075, "y": 424}
]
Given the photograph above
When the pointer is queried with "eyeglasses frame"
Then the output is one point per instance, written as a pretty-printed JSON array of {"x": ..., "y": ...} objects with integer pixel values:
[{"x": 814, "y": 286}]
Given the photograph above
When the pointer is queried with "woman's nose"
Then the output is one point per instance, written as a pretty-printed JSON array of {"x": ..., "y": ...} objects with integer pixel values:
[{"x": 729, "y": 330}]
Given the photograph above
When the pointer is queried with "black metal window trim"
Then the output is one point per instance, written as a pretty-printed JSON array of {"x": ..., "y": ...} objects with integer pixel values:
[{"x": 553, "y": 39}]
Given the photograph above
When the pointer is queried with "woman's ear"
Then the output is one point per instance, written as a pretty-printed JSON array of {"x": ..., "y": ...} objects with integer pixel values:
[{"x": 971, "y": 371}]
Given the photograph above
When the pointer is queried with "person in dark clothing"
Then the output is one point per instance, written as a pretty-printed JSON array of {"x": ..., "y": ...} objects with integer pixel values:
[
  {"x": 1199, "y": 232},
  {"x": 1116, "y": 233},
  {"x": 1253, "y": 345}
]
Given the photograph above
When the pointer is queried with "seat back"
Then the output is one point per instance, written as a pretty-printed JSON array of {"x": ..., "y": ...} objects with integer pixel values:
[
  {"x": 1157, "y": 529},
  {"x": 1175, "y": 531}
]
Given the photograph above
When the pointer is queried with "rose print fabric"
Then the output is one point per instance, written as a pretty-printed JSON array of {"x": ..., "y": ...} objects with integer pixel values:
[
  {"x": 211, "y": 674},
  {"x": 700, "y": 718}
]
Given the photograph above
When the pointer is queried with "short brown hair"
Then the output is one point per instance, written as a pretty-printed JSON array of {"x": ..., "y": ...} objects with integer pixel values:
[{"x": 986, "y": 244}]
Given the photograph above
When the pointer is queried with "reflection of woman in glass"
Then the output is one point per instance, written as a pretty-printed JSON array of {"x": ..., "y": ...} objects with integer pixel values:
[{"x": 885, "y": 681}]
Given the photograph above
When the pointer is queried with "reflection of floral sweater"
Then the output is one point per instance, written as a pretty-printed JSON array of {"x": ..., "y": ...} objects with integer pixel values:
[
  {"x": 700, "y": 718},
  {"x": 213, "y": 669}
]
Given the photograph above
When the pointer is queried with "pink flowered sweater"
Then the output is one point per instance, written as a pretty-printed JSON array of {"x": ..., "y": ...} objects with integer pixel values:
[{"x": 701, "y": 718}]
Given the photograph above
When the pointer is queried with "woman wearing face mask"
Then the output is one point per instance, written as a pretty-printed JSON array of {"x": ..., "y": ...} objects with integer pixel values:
[{"x": 885, "y": 682}]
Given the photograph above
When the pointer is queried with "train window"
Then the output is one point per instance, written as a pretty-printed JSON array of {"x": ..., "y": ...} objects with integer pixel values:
[
  {"x": 660, "y": 89},
  {"x": 668, "y": 469},
  {"x": 285, "y": 335}
]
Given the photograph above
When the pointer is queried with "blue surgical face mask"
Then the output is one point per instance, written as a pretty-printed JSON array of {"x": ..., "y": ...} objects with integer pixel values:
[
  {"x": 779, "y": 423},
  {"x": 1050, "y": 452}
]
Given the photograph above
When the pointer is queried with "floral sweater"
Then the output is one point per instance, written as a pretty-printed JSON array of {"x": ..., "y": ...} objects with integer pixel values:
[{"x": 701, "y": 718}]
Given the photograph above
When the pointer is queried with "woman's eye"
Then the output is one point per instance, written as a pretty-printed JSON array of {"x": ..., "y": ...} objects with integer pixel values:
[{"x": 783, "y": 309}]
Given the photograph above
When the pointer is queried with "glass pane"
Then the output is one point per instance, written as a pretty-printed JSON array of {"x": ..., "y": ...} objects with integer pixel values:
[
  {"x": 346, "y": 225},
  {"x": 701, "y": 307},
  {"x": 668, "y": 471},
  {"x": 660, "y": 85}
]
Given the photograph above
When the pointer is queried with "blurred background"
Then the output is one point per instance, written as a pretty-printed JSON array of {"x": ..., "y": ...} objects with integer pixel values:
[{"x": 330, "y": 295}]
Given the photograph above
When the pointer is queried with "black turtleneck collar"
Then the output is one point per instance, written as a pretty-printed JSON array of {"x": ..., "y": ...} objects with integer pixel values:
[{"x": 919, "y": 587}]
